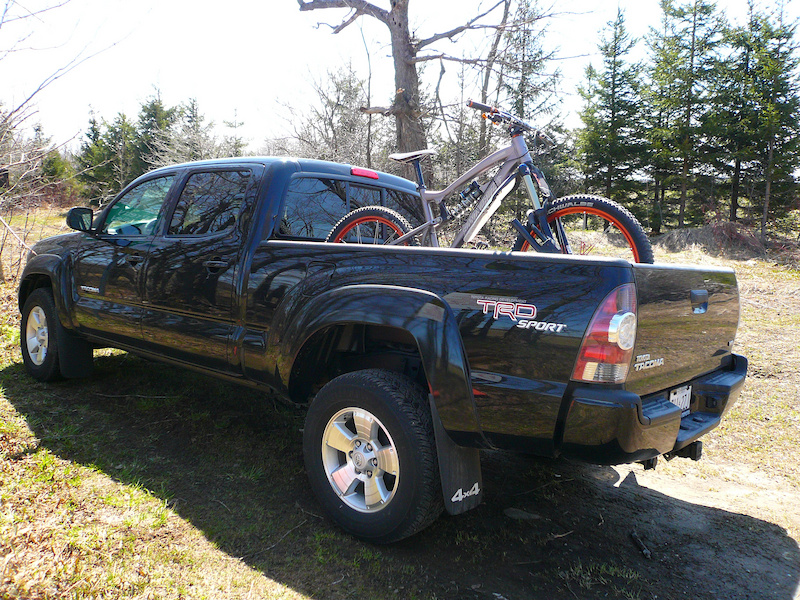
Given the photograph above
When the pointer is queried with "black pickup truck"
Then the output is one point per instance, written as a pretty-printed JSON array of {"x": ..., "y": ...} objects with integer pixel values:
[{"x": 410, "y": 359}]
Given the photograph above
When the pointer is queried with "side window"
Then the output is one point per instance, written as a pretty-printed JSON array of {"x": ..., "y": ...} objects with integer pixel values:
[
  {"x": 364, "y": 196},
  {"x": 312, "y": 207},
  {"x": 137, "y": 212},
  {"x": 406, "y": 204},
  {"x": 210, "y": 203}
]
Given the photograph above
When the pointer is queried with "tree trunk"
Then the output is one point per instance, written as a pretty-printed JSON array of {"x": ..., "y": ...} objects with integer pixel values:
[
  {"x": 655, "y": 219},
  {"x": 484, "y": 133},
  {"x": 737, "y": 174},
  {"x": 687, "y": 143},
  {"x": 684, "y": 192},
  {"x": 768, "y": 190},
  {"x": 405, "y": 108}
]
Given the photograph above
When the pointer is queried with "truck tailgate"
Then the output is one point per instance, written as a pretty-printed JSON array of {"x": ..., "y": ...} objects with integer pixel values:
[{"x": 687, "y": 323}]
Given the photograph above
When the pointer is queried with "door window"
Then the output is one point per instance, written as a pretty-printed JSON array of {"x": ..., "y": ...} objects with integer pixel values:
[
  {"x": 137, "y": 212},
  {"x": 210, "y": 203}
]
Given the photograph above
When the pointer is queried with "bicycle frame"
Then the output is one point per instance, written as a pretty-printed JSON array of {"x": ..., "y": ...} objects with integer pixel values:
[{"x": 509, "y": 160}]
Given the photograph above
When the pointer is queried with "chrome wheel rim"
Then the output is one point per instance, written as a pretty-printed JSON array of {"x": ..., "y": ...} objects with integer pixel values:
[
  {"x": 360, "y": 460},
  {"x": 36, "y": 337}
]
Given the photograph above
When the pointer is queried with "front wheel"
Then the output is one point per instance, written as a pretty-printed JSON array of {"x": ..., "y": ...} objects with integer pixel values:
[
  {"x": 587, "y": 224},
  {"x": 370, "y": 455},
  {"x": 370, "y": 225},
  {"x": 38, "y": 336}
]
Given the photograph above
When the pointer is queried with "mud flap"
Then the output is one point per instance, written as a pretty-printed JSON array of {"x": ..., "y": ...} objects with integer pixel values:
[
  {"x": 75, "y": 358},
  {"x": 459, "y": 469}
]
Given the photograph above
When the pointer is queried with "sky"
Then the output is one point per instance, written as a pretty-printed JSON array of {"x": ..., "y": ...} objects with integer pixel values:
[{"x": 248, "y": 60}]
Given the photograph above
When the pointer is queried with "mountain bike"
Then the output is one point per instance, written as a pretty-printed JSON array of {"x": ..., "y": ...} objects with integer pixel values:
[{"x": 576, "y": 224}]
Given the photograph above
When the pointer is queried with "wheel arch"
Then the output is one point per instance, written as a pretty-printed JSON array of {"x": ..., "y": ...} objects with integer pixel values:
[
  {"x": 46, "y": 270},
  {"x": 409, "y": 321}
]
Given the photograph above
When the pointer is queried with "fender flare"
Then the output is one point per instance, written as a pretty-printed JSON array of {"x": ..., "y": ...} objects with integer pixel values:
[
  {"x": 424, "y": 315},
  {"x": 74, "y": 352},
  {"x": 52, "y": 267}
]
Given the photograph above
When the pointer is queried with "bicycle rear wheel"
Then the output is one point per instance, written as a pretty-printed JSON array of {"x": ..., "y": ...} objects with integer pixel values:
[
  {"x": 596, "y": 226},
  {"x": 370, "y": 225}
]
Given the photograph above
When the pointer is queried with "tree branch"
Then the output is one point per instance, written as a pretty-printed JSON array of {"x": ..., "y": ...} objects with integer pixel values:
[
  {"x": 360, "y": 7},
  {"x": 442, "y": 56},
  {"x": 457, "y": 30},
  {"x": 376, "y": 110}
]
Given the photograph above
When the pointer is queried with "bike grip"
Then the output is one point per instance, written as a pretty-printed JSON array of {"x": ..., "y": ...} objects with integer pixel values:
[
  {"x": 481, "y": 107},
  {"x": 548, "y": 141}
]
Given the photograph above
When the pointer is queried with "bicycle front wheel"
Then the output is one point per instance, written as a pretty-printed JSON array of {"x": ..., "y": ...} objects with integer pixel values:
[
  {"x": 370, "y": 225},
  {"x": 587, "y": 224}
]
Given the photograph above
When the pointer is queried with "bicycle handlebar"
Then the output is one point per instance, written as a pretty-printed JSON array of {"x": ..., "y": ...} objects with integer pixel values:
[
  {"x": 482, "y": 107},
  {"x": 496, "y": 115}
]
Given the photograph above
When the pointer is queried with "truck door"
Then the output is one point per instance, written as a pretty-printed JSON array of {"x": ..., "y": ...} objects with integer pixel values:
[
  {"x": 108, "y": 264},
  {"x": 191, "y": 270}
]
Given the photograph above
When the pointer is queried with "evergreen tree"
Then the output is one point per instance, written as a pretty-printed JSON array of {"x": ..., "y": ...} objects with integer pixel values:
[
  {"x": 683, "y": 53},
  {"x": 108, "y": 157},
  {"x": 190, "y": 138},
  {"x": 153, "y": 129},
  {"x": 730, "y": 123},
  {"x": 611, "y": 143},
  {"x": 778, "y": 107}
]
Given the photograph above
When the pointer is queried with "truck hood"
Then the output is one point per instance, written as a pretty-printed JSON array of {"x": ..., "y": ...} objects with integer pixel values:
[{"x": 688, "y": 318}]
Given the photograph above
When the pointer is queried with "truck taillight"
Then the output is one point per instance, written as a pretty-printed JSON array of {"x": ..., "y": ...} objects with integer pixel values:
[{"x": 607, "y": 347}]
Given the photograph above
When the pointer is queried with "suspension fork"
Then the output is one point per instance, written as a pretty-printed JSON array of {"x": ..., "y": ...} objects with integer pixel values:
[{"x": 537, "y": 218}]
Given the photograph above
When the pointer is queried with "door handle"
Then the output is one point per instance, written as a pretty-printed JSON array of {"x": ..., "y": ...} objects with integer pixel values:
[
  {"x": 133, "y": 260},
  {"x": 215, "y": 265}
]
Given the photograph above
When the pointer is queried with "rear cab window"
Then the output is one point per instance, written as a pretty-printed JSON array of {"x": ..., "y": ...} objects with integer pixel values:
[{"x": 314, "y": 204}]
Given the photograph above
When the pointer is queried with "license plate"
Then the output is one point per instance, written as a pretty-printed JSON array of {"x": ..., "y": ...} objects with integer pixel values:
[{"x": 682, "y": 397}]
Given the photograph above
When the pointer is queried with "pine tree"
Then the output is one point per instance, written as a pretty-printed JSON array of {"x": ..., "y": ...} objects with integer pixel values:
[
  {"x": 153, "y": 129},
  {"x": 683, "y": 53},
  {"x": 611, "y": 143},
  {"x": 778, "y": 107},
  {"x": 730, "y": 123}
]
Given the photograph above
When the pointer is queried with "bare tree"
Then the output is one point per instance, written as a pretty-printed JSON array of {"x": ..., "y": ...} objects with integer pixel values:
[
  {"x": 333, "y": 127},
  {"x": 191, "y": 138},
  {"x": 407, "y": 54},
  {"x": 21, "y": 154}
]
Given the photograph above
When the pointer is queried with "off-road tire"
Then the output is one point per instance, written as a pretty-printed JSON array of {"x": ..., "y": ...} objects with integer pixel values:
[
  {"x": 606, "y": 209},
  {"x": 401, "y": 420},
  {"x": 389, "y": 224}
]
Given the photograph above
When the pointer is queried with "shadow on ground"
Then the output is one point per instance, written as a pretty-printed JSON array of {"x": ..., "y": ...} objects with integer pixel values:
[{"x": 228, "y": 460}]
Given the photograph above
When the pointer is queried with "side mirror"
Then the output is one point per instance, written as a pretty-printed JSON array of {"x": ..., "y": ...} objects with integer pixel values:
[{"x": 80, "y": 218}]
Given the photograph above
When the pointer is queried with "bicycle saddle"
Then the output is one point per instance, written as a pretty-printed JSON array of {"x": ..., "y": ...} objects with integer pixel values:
[{"x": 407, "y": 157}]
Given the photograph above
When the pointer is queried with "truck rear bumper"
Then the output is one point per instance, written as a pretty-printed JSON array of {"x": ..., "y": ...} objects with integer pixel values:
[{"x": 613, "y": 426}]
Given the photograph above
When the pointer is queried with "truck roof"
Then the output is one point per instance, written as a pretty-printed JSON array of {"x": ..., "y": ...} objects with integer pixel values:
[{"x": 307, "y": 165}]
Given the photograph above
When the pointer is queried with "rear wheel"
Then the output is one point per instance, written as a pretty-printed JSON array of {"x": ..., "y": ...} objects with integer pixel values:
[
  {"x": 370, "y": 455},
  {"x": 586, "y": 224},
  {"x": 370, "y": 225}
]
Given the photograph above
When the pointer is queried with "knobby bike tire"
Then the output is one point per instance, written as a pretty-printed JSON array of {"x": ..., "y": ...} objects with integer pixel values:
[
  {"x": 608, "y": 210},
  {"x": 370, "y": 224}
]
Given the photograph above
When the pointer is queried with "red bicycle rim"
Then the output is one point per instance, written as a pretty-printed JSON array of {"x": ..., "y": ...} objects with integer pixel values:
[
  {"x": 598, "y": 213},
  {"x": 370, "y": 219}
]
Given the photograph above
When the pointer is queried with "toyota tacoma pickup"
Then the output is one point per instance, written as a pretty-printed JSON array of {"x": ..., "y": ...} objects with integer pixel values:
[{"x": 410, "y": 359}]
